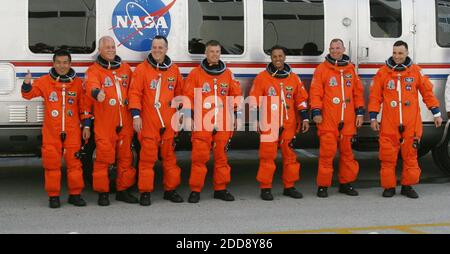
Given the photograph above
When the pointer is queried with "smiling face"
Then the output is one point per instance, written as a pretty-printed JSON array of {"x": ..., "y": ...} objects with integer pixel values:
[
  {"x": 337, "y": 50},
  {"x": 62, "y": 65},
  {"x": 107, "y": 48},
  {"x": 159, "y": 50},
  {"x": 213, "y": 54},
  {"x": 399, "y": 54},
  {"x": 278, "y": 58}
]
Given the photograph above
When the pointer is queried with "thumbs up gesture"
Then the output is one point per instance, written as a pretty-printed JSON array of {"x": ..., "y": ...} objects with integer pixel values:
[{"x": 28, "y": 78}]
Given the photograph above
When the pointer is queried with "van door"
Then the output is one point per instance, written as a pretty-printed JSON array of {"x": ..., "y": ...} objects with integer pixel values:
[{"x": 381, "y": 23}]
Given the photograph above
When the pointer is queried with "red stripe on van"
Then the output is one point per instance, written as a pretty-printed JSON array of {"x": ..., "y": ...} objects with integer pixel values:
[
  {"x": 232, "y": 65},
  {"x": 180, "y": 64}
]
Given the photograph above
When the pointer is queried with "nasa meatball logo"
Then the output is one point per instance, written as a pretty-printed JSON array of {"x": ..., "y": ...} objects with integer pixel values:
[{"x": 136, "y": 22}]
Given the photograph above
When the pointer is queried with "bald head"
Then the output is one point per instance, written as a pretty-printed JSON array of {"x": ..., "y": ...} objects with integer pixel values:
[{"x": 107, "y": 48}]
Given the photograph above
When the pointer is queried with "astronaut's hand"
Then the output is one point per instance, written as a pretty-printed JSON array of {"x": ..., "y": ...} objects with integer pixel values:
[
  {"x": 375, "y": 125},
  {"x": 359, "y": 121},
  {"x": 86, "y": 133},
  {"x": 318, "y": 119},
  {"x": 438, "y": 121},
  {"x": 305, "y": 126},
  {"x": 28, "y": 78},
  {"x": 137, "y": 124}
]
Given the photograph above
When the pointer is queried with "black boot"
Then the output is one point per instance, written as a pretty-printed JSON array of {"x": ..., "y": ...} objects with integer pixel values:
[
  {"x": 223, "y": 195},
  {"x": 76, "y": 200},
  {"x": 266, "y": 194},
  {"x": 194, "y": 197},
  {"x": 322, "y": 192},
  {"x": 126, "y": 197},
  {"x": 293, "y": 193},
  {"x": 409, "y": 192},
  {"x": 103, "y": 199},
  {"x": 389, "y": 193},
  {"x": 173, "y": 196},
  {"x": 347, "y": 189},
  {"x": 145, "y": 199},
  {"x": 53, "y": 202}
]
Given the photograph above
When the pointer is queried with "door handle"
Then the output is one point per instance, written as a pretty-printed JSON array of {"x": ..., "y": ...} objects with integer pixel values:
[{"x": 365, "y": 52}]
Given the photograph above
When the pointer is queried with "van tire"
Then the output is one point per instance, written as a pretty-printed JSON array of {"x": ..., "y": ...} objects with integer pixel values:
[
  {"x": 423, "y": 150},
  {"x": 441, "y": 156},
  {"x": 88, "y": 162}
]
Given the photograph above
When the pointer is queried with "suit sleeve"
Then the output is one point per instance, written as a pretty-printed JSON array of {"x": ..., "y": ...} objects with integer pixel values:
[
  {"x": 130, "y": 78},
  {"x": 236, "y": 92},
  {"x": 189, "y": 89},
  {"x": 179, "y": 85},
  {"x": 316, "y": 91},
  {"x": 447, "y": 94},
  {"x": 235, "y": 88},
  {"x": 256, "y": 92},
  {"x": 92, "y": 83},
  {"x": 136, "y": 90},
  {"x": 426, "y": 90},
  {"x": 376, "y": 94},
  {"x": 358, "y": 95},
  {"x": 84, "y": 107},
  {"x": 35, "y": 91},
  {"x": 301, "y": 96}
]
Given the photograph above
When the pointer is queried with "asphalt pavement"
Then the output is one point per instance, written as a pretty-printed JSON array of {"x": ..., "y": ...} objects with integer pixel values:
[{"x": 24, "y": 204}]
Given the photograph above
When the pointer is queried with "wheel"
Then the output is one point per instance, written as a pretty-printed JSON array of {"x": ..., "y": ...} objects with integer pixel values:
[
  {"x": 441, "y": 156},
  {"x": 89, "y": 158},
  {"x": 88, "y": 161},
  {"x": 88, "y": 168},
  {"x": 423, "y": 150}
]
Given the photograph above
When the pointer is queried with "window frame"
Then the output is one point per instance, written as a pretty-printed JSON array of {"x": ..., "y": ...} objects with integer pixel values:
[
  {"x": 293, "y": 57},
  {"x": 74, "y": 55},
  {"x": 436, "y": 21},
  {"x": 201, "y": 55},
  {"x": 386, "y": 38}
]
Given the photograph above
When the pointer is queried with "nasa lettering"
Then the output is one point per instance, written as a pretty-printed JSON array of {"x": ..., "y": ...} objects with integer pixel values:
[{"x": 135, "y": 22}]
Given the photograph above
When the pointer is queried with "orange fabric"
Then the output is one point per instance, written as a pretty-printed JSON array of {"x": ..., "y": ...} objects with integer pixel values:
[
  {"x": 110, "y": 145},
  {"x": 142, "y": 97},
  {"x": 108, "y": 151},
  {"x": 326, "y": 95},
  {"x": 51, "y": 92},
  {"x": 202, "y": 136},
  {"x": 296, "y": 99},
  {"x": 51, "y": 161},
  {"x": 326, "y": 87},
  {"x": 197, "y": 80},
  {"x": 148, "y": 158},
  {"x": 389, "y": 149},
  {"x": 348, "y": 166},
  {"x": 296, "y": 96},
  {"x": 201, "y": 148},
  {"x": 267, "y": 167},
  {"x": 384, "y": 92}
]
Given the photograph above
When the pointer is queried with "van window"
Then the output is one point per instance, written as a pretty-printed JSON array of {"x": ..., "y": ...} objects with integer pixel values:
[
  {"x": 443, "y": 23},
  {"x": 385, "y": 18},
  {"x": 296, "y": 25},
  {"x": 216, "y": 20},
  {"x": 61, "y": 24}
]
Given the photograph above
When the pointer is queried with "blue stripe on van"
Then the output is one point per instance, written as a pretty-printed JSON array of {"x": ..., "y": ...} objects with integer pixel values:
[
  {"x": 303, "y": 76},
  {"x": 38, "y": 74}
]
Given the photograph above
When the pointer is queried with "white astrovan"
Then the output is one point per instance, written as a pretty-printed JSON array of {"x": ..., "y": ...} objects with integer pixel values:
[{"x": 32, "y": 29}]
